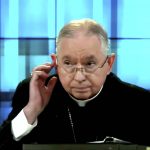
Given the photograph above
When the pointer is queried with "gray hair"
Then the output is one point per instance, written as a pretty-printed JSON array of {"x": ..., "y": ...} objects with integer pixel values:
[{"x": 90, "y": 27}]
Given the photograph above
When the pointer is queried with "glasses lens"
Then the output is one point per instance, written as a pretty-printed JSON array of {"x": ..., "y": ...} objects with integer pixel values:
[
  {"x": 85, "y": 69},
  {"x": 91, "y": 69}
]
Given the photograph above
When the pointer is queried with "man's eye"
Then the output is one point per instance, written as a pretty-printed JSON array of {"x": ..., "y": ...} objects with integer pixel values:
[
  {"x": 67, "y": 63},
  {"x": 90, "y": 64}
]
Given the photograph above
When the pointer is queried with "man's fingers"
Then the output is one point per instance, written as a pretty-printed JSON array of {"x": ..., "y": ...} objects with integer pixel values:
[
  {"x": 42, "y": 68},
  {"x": 39, "y": 75},
  {"x": 45, "y": 67}
]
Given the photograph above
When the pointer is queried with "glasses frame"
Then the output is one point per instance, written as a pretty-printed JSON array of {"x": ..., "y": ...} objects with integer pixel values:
[{"x": 82, "y": 69}]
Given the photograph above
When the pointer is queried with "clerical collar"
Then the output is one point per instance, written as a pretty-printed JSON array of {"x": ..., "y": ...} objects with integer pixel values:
[{"x": 82, "y": 103}]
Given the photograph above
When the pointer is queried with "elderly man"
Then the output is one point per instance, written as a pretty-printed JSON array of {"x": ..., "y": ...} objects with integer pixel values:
[{"x": 83, "y": 102}]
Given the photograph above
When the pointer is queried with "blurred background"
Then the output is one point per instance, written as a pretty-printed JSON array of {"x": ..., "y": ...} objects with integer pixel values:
[{"x": 28, "y": 30}]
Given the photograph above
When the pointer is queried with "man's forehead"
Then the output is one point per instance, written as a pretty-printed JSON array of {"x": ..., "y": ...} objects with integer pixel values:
[{"x": 87, "y": 56}]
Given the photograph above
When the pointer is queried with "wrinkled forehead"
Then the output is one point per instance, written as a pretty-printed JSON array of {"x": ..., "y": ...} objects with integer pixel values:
[
  {"x": 83, "y": 57},
  {"x": 80, "y": 58},
  {"x": 80, "y": 46}
]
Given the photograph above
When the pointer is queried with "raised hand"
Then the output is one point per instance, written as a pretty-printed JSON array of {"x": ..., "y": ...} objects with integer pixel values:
[{"x": 39, "y": 93}]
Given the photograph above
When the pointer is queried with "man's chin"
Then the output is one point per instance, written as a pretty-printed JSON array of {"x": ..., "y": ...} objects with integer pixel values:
[{"x": 81, "y": 96}]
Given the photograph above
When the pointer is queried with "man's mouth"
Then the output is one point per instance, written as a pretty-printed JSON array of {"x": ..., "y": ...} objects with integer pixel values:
[{"x": 81, "y": 89}]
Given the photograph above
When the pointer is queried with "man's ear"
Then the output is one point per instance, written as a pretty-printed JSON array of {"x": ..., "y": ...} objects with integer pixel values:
[{"x": 110, "y": 61}]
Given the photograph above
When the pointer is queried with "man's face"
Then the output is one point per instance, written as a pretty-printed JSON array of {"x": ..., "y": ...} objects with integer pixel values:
[{"x": 82, "y": 52}]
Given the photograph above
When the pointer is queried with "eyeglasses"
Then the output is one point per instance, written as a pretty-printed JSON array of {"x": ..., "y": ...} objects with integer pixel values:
[{"x": 71, "y": 69}]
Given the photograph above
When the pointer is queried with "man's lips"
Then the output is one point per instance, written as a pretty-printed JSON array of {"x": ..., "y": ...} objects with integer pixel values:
[{"x": 81, "y": 89}]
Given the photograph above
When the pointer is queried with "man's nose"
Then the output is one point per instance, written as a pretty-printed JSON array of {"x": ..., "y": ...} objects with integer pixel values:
[{"x": 79, "y": 75}]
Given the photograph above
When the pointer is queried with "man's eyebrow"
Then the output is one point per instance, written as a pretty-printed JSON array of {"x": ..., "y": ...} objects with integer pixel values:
[
  {"x": 66, "y": 57},
  {"x": 91, "y": 57}
]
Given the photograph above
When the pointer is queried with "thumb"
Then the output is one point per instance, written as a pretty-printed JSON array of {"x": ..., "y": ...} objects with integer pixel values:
[
  {"x": 54, "y": 59},
  {"x": 51, "y": 84}
]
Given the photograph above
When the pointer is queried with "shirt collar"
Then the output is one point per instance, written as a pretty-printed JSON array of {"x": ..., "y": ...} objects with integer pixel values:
[{"x": 82, "y": 103}]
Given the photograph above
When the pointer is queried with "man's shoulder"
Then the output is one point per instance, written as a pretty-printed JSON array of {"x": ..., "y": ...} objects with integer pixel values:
[
  {"x": 25, "y": 81},
  {"x": 115, "y": 82}
]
